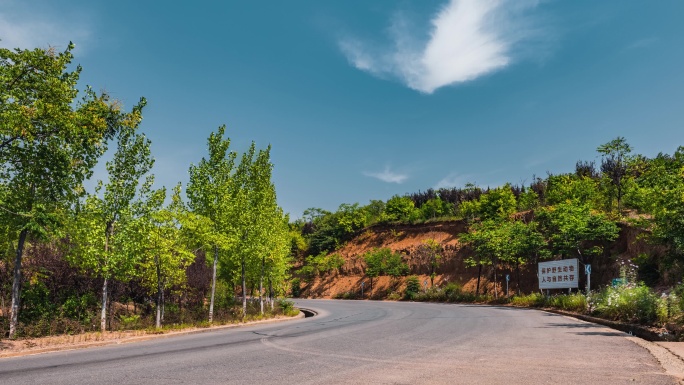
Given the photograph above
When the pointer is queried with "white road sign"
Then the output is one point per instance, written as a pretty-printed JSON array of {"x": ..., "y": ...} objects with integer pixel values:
[{"x": 561, "y": 274}]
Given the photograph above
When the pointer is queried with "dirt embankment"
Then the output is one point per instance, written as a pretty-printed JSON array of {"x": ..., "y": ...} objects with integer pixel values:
[{"x": 407, "y": 240}]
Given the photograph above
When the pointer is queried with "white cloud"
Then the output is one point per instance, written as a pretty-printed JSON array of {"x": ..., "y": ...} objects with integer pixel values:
[
  {"x": 387, "y": 176},
  {"x": 467, "y": 39},
  {"x": 453, "y": 180},
  {"x": 643, "y": 43},
  {"x": 26, "y": 27}
]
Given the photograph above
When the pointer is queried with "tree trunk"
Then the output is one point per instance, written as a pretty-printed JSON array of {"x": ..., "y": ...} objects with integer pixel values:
[
  {"x": 16, "y": 285},
  {"x": 270, "y": 293},
  {"x": 103, "y": 314},
  {"x": 159, "y": 293},
  {"x": 479, "y": 274},
  {"x": 213, "y": 285},
  {"x": 496, "y": 289},
  {"x": 244, "y": 289},
  {"x": 261, "y": 285},
  {"x": 517, "y": 271}
]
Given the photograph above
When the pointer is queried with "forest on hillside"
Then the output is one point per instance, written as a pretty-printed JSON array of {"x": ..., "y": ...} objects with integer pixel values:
[
  {"x": 124, "y": 254},
  {"x": 567, "y": 215}
]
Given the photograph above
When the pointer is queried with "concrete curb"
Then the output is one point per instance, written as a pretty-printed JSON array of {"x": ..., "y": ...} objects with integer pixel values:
[
  {"x": 635, "y": 330},
  {"x": 147, "y": 337}
]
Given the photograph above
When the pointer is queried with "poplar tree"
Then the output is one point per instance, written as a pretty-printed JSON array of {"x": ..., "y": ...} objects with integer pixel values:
[
  {"x": 102, "y": 247},
  {"x": 211, "y": 191},
  {"x": 164, "y": 251}
]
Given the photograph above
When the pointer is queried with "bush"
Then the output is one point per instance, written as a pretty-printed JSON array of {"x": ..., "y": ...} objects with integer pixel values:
[
  {"x": 287, "y": 307},
  {"x": 629, "y": 303},
  {"x": 412, "y": 287},
  {"x": 296, "y": 288}
]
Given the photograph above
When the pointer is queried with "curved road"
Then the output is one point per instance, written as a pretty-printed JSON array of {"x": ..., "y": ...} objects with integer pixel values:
[{"x": 363, "y": 342}]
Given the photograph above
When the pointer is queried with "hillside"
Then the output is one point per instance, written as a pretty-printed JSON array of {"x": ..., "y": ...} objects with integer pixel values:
[{"x": 407, "y": 240}]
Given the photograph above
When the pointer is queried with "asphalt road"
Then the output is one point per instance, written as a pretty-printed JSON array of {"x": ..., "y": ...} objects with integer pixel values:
[{"x": 363, "y": 342}]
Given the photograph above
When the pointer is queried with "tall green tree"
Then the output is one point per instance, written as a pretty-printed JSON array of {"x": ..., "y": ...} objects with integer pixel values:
[
  {"x": 49, "y": 143},
  {"x": 164, "y": 252},
  {"x": 211, "y": 195}
]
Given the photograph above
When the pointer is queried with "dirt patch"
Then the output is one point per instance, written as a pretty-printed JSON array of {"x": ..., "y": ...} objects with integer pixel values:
[{"x": 407, "y": 239}]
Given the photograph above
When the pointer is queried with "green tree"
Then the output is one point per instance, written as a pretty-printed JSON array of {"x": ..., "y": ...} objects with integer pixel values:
[
  {"x": 163, "y": 250},
  {"x": 399, "y": 208},
  {"x": 383, "y": 261},
  {"x": 211, "y": 195},
  {"x": 49, "y": 143},
  {"x": 614, "y": 164},
  {"x": 575, "y": 230},
  {"x": 488, "y": 240},
  {"x": 97, "y": 223}
]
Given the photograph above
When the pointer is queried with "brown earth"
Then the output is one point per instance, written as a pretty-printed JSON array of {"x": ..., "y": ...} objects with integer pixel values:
[{"x": 407, "y": 240}]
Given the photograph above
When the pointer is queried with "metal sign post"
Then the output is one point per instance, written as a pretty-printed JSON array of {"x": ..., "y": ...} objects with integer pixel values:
[
  {"x": 587, "y": 271},
  {"x": 362, "y": 284}
]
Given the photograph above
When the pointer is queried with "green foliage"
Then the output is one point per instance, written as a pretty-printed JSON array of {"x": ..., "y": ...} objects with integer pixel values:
[
  {"x": 570, "y": 188},
  {"x": 384, "y": 261},
  {"x": 629, "y": 303},
  {"x": 528, "y": 200},
  {"x": 287, "y": 307},
  {"x": 36, "y": 302},
  {"x": 321, "y": 264},
  {"x": 79, "y": 308},
  {"x": 295, "y": 287},
  {"x": 399, "y": 208},
  {"x": 435, "y": 208},
  {"x": 574, "y": 229},
  {"x": 412, "y": 287}
]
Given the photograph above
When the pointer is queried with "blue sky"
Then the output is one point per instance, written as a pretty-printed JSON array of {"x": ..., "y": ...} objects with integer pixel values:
[{"x": 363, "y": 100}]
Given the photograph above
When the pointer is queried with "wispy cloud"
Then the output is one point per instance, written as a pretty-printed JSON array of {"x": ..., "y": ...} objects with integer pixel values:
[
  {"x": 453, "y": 180},
  {"x": 23, "y": 26},
  {"x": 467, "y": 39},
  {"x": 643, "y": 43},
  {"x": 388, "y": 176}
]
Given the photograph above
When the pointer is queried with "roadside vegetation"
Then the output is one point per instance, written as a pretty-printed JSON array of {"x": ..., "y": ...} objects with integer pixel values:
[{"x": 125, "y": 254}]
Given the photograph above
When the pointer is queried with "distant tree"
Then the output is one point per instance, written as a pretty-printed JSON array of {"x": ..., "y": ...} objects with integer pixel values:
[
  {"x": 566, "y": 188},
  {"x": 399, "y": 208},
  {"x": 572, "y": 229},
  {"x": 614, "y": 160},
  {"x": 489, "y": 244},
  {"x": 383, "y": 261}
]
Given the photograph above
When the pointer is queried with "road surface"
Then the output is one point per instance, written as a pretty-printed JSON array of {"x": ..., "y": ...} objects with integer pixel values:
[{"x": 364, "y": 342}]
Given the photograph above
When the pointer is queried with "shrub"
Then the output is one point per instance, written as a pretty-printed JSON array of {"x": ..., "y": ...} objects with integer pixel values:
[
  {"x": 629, "y": 303},
  {"x": 412, "y": 287},
  {"x": 296, "y": 288},
  {"x": 287, "y": 307}
]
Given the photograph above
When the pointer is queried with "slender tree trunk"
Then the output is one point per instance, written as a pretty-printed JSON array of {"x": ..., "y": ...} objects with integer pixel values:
[
  {"x": 270, "y": 293},
  {"x": 496, "y": 289},
  {"x": 103, "y": 313},
  {"x": 244, "y": 289},
  {"x": 16, "y": 285},
  {"x": 213, "y": 285},
  {"x": 109, "y": 306},
  {"x": 517, "y": 271},
  {"x": 479, "y": 274},
  {"x": 261, "y": 285},
  {"x": 159, "y": 293}
]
